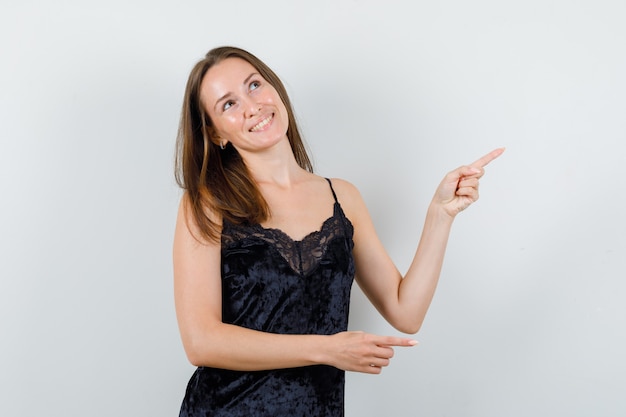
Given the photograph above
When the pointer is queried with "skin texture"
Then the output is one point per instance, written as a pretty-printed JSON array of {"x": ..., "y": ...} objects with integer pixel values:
[
  {"x": 247, "y": 112},
  {"x": 238, "y": 103}
]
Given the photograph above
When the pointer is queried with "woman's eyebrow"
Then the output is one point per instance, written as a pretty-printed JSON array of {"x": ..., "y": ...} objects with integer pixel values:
[
  {"x": 225, "y": 96},
  {"x": 250, "y": 76},
  {"x": 219, "y": 100}
]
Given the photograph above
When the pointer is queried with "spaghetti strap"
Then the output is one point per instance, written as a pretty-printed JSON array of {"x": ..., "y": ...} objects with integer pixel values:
[
  {"x": 331, "y": 189},
  {"x": 342, "y": 216}
]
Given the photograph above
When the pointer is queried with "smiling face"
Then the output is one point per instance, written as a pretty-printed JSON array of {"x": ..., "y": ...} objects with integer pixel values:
[{"x": 244, "y": 108}]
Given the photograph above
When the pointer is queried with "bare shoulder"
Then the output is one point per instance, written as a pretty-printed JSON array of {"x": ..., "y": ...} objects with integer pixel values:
[
  {"x": 349, "y": 196},
  {"x": 345, "y": 189},
  {"x": 187, "y": 229}
]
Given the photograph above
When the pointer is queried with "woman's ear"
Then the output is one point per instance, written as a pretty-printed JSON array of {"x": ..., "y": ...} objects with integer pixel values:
[
  {"x": 219, "y": 141},
  {"x": 215, "y": 137}
]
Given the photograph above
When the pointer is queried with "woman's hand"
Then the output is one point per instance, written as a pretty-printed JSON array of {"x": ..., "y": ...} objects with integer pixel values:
[
  {"x": 459, "y": 188},
  {"x": 364, "y": 352}
]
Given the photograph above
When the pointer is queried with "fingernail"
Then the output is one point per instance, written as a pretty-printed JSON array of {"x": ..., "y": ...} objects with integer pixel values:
[{"x": 413, "y": 342}]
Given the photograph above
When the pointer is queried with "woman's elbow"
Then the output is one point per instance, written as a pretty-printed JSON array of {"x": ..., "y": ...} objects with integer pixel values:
[
  {"x": 408, "y": 329},
  {"x": 407, "y": 326},
  {"x": 194, "y": 358},
  {"x": 196, "y": 351}
]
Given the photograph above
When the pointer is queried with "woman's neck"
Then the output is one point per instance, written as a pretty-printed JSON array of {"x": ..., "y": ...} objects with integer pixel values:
[{"x": 276, "y": 166}]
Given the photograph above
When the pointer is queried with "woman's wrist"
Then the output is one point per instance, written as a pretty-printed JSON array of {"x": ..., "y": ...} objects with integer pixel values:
[
  {"x": 439, "y": 214},
  {"x": 319, "y": 352}
]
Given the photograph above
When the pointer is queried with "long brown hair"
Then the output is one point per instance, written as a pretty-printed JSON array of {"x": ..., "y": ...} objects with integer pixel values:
[{"x": 217, "y": 183}]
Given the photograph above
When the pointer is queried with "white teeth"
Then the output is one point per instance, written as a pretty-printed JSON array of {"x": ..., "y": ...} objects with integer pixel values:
[{"x": 262, "y": 124}]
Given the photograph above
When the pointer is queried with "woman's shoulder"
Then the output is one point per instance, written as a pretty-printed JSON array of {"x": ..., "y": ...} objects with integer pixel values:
[
  {"x": 347, "y": 193},
  {"x": 187, "y": 207},
  {"x": 344, "y": 186},
  {"x": 197, "y": 220},
  {"x": 344, "y": 189}
]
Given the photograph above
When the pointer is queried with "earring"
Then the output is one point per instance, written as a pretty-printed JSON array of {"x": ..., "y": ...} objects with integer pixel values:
[{"x": 222, "y": 147}]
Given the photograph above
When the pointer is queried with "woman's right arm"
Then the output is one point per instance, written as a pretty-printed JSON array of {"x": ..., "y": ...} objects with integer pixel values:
[{"x": 210, "y": 342}]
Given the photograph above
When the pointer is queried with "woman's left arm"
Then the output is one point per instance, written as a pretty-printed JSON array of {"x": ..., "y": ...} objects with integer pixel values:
[{"x": 404, "y": 301}]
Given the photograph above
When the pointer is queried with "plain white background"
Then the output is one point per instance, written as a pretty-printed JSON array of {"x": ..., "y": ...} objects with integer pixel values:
[{"x": 529, "y": 316}]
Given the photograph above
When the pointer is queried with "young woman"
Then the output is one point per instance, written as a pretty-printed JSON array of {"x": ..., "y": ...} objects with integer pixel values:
[{"x": 265, "y": 253}]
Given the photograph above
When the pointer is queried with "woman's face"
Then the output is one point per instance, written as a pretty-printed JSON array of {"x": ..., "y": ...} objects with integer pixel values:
[{"x": 244, "y": 108}]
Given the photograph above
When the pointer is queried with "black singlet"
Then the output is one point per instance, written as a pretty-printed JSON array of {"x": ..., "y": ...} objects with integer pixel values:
[{"x": 274, "y": 284}]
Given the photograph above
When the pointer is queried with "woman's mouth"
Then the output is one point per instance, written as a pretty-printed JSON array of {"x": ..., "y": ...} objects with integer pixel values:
[{"x": 262, "y": 123}]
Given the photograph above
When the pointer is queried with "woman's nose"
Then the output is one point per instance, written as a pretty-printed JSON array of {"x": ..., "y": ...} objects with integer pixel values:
[{"x": 251, "y": 108}]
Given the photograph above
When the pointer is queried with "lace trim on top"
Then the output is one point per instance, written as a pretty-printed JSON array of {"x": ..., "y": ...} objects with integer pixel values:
[{"x": 303, "y": 256}]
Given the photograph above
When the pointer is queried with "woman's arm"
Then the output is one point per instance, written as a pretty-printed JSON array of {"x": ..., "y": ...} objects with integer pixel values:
[
  {"x": 404, "y": 301},
  {"x": 210, "y": 342}
]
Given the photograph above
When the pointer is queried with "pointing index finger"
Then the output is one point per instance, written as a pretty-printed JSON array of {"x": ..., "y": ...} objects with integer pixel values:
[
  {"x": 487, "y": 158},
  {"x": 396, "y": 341}
]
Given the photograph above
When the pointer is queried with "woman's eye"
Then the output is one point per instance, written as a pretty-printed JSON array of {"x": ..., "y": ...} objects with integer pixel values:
[
  {"x": 254, "y": 85},
  {"x": 228, "y": 105}
]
